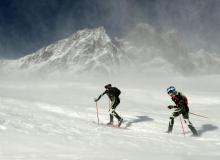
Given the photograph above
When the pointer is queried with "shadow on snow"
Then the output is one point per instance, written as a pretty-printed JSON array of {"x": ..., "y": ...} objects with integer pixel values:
[
  {"x": 207, "y": 128},
  {"x": 139, "y": 119}
]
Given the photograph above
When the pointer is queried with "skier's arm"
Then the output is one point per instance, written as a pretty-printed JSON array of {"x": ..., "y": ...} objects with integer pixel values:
[
  {"x": 180, "y": 106},
  {"x": 172, "y": 106},
  {"x": 100, "y": 96}
]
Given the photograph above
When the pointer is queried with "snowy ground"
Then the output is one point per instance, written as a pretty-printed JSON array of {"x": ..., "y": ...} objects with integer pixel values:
[{"x": 57, "y": 121}]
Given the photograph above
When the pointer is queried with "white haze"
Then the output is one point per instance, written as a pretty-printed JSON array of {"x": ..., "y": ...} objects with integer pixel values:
[
  {"x": 145, "y": 51},
  {"x": 51, "y": 115}
]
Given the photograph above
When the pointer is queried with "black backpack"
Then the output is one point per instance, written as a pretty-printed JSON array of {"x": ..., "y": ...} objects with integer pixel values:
[{"x": 116, "y": 91}]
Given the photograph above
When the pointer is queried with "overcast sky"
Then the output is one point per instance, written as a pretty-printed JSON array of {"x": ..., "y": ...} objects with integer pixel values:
[{"x": 28, "y": 25}]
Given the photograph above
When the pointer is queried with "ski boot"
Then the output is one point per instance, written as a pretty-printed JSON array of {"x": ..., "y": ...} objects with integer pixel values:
[
  {"x": 120, "y": 122},
  {"x": 195, "y": 133},
  {"x": 111, "y": 120},
  {"x": 109, "y": 123}
]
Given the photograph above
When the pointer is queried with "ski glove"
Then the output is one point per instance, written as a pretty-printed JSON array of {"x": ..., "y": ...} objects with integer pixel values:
[
  {"x": 170, "y": 106},
  {"x": 95, "y": 100}
]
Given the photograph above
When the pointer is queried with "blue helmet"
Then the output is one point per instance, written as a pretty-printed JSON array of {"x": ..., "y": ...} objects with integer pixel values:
[{"x": 171, "y": 89}]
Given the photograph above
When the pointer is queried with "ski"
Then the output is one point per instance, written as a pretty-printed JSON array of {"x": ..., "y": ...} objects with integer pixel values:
[{"x": 113, "y": 126}]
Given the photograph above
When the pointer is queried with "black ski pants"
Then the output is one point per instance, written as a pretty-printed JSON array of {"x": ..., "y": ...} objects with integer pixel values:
[
  {"x": 184, "y": 110},
  {"x": 114, "y": 103}
]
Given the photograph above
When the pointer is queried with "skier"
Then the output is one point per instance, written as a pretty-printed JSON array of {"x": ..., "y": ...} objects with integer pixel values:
[
  {"x": 181, "y": 107},
  {"x": 113, "y": 94}
]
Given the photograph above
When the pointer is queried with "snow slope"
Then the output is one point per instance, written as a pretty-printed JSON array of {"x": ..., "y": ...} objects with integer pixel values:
[{"x": 56, "y": 120}]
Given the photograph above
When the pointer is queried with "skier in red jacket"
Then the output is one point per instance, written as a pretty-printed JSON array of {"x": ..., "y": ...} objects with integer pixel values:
[{"x": 181, "y": 107}]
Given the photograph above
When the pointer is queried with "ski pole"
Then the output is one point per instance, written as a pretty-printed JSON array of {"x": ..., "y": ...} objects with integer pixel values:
[
  {"x": 198, "y": 115},
  {"x": 182, "y": 126},
  {"x": 97, "y": 112},
  {"x": 109, "y": 104}
]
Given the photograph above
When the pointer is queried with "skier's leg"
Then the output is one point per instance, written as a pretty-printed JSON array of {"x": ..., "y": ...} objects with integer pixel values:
[
  {"x": 111, "y": 114},
  {"x": 176, "y": 113},
  {"x": 191, "y": 127},
  {"x": 115, "y": 104},
  {"x": 189, "y": 124},
  {"x": 171, "y": 123},
  {"x": 120, "y": 120},
  {"x": 111, "y": 119}
]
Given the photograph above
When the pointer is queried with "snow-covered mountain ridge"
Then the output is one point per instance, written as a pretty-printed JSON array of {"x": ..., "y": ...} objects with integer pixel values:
[
  {"x": 93, "y": 51},
  {"x": 166, "y": 51},
  {"x": 85, "y": 51}
]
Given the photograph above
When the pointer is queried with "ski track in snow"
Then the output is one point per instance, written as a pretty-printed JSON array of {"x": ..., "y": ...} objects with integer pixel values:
[{"x": 39, "y": 129}]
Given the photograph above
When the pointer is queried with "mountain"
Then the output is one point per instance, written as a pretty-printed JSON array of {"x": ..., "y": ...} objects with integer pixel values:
[
  {"x": 166, "y": 51},
  {"x": 144, "y": 50},
  {"x": 86, "y": 51}
]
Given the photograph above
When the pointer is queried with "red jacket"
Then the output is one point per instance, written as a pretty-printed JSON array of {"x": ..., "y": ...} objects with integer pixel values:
[{"x": 180, "y": 100}]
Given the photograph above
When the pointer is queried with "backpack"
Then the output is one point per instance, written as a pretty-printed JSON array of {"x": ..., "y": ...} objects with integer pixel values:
[{"x": 116, "y": 91}]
